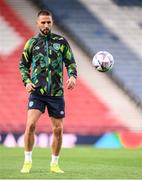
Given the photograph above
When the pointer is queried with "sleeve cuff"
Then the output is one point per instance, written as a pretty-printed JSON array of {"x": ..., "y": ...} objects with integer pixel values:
[
  {"x": 28, "y": 81},
  {"x": 75, "y": 76}
]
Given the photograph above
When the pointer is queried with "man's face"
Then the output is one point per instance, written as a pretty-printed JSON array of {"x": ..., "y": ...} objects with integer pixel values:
[{"x": 44, "y": 23}]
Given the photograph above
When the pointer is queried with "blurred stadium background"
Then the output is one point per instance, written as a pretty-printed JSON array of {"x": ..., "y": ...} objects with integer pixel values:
[{"x": 105, "y": 109}]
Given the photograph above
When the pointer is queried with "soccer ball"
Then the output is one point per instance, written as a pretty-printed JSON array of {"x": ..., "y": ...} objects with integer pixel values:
[{"x": 103, "y": 61}]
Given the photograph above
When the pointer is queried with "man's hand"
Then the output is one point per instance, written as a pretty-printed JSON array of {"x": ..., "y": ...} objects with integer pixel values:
[
  {"x": 30, "y": 87},
  {"x": 71, "y": 82}
]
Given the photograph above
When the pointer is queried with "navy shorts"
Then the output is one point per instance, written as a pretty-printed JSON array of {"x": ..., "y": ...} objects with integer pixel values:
[{"x": 55, "y": 104}]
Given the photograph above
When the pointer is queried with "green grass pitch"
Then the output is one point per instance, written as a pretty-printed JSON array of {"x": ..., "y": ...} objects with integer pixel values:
[{"x": 78, "y": 163}]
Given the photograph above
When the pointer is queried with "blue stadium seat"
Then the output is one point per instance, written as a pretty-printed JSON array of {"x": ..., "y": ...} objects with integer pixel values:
[{"x": 128, "y": 2}]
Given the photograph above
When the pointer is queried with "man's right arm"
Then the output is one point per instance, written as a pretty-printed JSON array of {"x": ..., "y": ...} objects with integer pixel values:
[{"x": 25, "y": 63}]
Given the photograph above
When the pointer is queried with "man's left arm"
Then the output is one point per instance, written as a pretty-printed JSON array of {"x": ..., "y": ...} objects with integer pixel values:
[{"x": 70, "y": 66}]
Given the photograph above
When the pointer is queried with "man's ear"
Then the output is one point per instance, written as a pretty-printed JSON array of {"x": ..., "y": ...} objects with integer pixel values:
[{"x": 36, "y": 22}]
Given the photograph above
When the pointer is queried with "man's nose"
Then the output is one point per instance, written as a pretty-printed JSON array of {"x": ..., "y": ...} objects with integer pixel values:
[{"x": 46, "y": 24}]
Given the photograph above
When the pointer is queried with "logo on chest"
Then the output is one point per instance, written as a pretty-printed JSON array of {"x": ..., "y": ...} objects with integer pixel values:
[
  {"x": 56, "y": 46},
  {"x": 37, "y": 47}
]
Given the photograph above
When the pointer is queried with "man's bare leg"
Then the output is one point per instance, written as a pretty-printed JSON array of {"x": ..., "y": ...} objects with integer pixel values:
[
  {"x": 32, "y": 118},
  {"x": 57, "y": 126}
]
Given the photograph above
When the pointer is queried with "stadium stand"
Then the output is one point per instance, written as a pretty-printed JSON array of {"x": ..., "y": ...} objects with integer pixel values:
[
  {"x": 13, "y": 97},
  {"x": 90, "y": 119},
  {"x": 91, "y": 34},
  {"x": 128, "y": 2},
  {"x": 11, "y": 93}
]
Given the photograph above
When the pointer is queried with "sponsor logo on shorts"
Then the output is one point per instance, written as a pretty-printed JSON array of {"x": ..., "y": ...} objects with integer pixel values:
[
  {"x": 61, "y": 112},
  {"x": 31, "y": 103}
]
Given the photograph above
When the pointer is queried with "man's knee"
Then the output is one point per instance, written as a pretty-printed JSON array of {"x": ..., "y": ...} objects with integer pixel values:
[
  {"x": 57, "y": 130},
  {"x": 33, "y": 116},
  {"x": 31, "y": 127}
]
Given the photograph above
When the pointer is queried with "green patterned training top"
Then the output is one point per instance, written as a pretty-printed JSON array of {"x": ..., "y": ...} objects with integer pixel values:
[{"x": 45, "y": 55}]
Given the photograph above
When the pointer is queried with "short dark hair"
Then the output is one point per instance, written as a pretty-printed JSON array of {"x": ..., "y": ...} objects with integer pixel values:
[{"x": 44, "y": 13}]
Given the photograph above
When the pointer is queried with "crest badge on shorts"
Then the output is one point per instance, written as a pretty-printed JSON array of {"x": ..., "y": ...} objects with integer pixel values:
[
  {"x": 62, "y": 112},
  {"x": 31, "y": 103},
  {"x": 56, "y": 46}
]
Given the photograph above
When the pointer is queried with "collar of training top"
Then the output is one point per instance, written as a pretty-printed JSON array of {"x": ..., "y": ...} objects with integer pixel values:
[{"x": 45, "y": 36}]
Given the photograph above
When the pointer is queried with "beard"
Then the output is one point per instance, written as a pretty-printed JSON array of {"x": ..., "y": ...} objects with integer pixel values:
[{"x": 44, "y": 31}]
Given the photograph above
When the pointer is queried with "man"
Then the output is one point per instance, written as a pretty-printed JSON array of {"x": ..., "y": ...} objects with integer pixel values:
[{"x": 45, "y": 54}]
